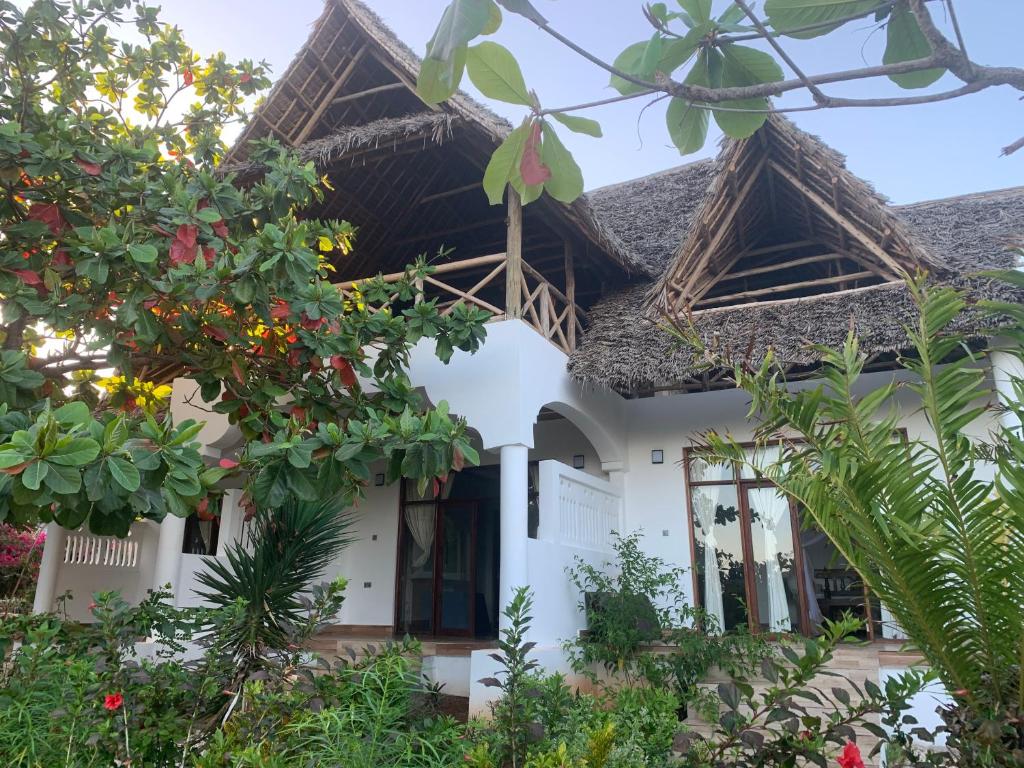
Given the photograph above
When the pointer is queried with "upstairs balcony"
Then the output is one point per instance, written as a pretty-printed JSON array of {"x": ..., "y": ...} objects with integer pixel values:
[{"x": 504, "y": 287}]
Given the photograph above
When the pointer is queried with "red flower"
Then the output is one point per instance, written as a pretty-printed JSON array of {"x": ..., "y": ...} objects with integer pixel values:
[
  {"x": 850, "y": 757},
  {"x": 113, "y": 702},
  {"x": 245, "y": 78},
  {"x": 187, "y": 76}
]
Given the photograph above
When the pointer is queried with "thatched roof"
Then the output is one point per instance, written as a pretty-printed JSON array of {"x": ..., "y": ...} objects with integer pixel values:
[
  {"x": 625, "y": 349},
  {"x": 351, "y": 90}
]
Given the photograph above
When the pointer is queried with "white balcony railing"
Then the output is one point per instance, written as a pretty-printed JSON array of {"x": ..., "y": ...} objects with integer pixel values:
[
  {"x": 577, "y": 509},
  {"x": 84, "y": 549}
]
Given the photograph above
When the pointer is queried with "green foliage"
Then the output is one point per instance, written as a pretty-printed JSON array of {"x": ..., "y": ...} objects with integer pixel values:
[
  {"x": 287, "y": 548},
  {"x": 920, "y": 519},
  {"x": 801, "y": 716},
  {"x": 127, "y": 246},
  {"x": 642, "y": 630},
  {"x": 511, "y": 711},
  {"x": 690, "y": 48}
]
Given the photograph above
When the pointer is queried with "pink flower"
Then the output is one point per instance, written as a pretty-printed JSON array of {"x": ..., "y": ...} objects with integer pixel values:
[
  {"x": 850, "y": 757},
  {"x": 113, "y": 702}
]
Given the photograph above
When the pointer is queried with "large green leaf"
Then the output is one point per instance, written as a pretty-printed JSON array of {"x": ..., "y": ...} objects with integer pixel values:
[
  {"x": 906, "y": 42},
  {"x": 504, "y": 164},
  {"x": 495, "y": 72},
  {"x": 75, "y": 452},
  {"x": 579, "y": 124},
  {"x": 566, "y": 182},
  {"x": 33, "y": 475},
  {"x": 687, "y": 124},
  {"x": 523, "y": 8},
  {"x": 745, "y": 66},
  {"x": 124, "y": 473},
  {"x": 442, "y": 68},
  {"x": 61, "y": 479},
  {"x": 786, "y": 15},
  {"x": 699, "y": 10},
  {"x": 629, "y": 61}
]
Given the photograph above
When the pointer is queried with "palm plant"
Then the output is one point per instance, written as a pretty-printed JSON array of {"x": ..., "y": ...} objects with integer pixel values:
[
  {"x": 923, "y": 522},
  {"x": 265, "y": 579}
]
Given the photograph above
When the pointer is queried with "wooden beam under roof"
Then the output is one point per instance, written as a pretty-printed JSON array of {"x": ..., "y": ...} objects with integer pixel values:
[
  {"x": 821, "y": 281},
  {"x": 368, "y": 92},
  {"x": 346, "y": 73},
  {"x": 841, "y": 220}
]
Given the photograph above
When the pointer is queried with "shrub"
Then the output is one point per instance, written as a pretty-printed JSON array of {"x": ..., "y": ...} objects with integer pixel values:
[
  {"x": 21, "y": 551},
  {"x": 642, "y": 630}
]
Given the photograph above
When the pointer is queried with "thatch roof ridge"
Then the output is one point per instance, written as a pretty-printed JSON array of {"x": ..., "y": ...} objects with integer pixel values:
[
  {"x": 464, "y": 104},
  {"x": 625, "y": 349}
]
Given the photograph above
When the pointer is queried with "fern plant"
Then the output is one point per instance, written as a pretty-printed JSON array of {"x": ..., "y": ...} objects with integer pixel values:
[{"x": 923, "y": 522}]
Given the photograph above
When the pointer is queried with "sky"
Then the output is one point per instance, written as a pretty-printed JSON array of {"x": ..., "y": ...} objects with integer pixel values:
[{"x": 908, "y": 153}]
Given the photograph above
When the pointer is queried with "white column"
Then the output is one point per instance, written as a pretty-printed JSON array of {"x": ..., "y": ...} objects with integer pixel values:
[
  {"x": 168, "y": 552},
  {"x": 514, "y": 530},
  {"x": 1004, "y": 368},
  {"x": 49, "y": 568}
]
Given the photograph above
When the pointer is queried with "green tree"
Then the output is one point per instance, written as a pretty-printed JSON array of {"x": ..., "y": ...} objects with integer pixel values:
[
  {"x": 125, "y": 248},
  {"x": 702, "y": 61},
  {"x": 923, "y": 522}
]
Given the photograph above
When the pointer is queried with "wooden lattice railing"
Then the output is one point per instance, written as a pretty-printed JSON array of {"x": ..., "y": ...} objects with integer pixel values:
[{"x": 544, "y": 306}]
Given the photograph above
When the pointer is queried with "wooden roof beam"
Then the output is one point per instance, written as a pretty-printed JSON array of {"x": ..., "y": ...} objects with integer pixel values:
[
  {"x": 346, "y": 73},
  {"x": 822, "y": 281},
  {"x": 841, "y": 220},
  {"x": 368, "y": 92}
]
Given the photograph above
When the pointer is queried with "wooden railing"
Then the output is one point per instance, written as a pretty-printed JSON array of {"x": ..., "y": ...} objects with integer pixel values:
[{"x": 543, "y": 306}]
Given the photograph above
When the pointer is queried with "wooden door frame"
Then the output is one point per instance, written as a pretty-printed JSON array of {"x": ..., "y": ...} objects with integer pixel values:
[
  {"x": 474, "y": 524},
  {"x": 741, "y": 485},
  {"x": 435, "y": 620}
]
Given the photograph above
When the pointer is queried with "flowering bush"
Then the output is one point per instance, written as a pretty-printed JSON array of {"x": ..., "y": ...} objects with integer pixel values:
[{"x": 21, "y": 550}]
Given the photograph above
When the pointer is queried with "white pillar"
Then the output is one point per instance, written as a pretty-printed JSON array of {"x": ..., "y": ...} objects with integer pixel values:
[
  {"x": 514, "y": 530},
  {"x": 49, "y": 568},
  {"x": 168, "y": 553},
  {"x": 1006, "y": 367}
]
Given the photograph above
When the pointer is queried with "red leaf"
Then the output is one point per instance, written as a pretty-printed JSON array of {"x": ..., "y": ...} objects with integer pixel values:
[
  {"x": 28, "y": 276},
  {"x": 50, "y": 215},
  {"x": 187, "y": 76},
  {"x": 531, "y": 168},
  {"x": 298, "y": 413},
  {"x": 458, "y": 460},
  {"x": 16, "y": 469},
  {"x": 237, "y": 371},
  {"x": 280, "y": 310},
  {"x": 245, "y": 78},
  {"x": 187, "y": 234},
  {"x": 208, "y": 255},
  {"x": 93, "y": 169},
  {"x": 220, "y": 229},
  {"x": 312, "y": 325},
  {"x": 228, "y": 463},
  {"x": 218, "y": 333},
  {"x": 60, "y": 259},
  {"x": 182, "y": 254},
  {"x": 344, "y": 369}
]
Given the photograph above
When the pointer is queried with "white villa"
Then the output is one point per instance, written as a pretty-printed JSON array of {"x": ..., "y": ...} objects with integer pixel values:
[{"x": 583, "y": 407}]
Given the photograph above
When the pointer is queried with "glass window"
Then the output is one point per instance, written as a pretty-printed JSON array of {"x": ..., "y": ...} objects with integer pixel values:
[{"x": 718, "y": 543}]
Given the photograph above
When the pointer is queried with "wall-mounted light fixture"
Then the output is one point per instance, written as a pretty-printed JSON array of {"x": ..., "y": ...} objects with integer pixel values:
[
  {"x": 578, "y": 460},
  {"x": 378, "y": 479},
  {"x": 657, "y": 456}
]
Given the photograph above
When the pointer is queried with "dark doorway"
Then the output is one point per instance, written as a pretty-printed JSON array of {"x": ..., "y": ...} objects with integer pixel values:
[{"x": 448, "y": 548}]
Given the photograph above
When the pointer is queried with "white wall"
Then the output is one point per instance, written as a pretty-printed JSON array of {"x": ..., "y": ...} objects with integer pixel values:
[
  {"x": 656, "y": 494},
  {"x": 370, "y": 559},
  {"x": 84, "y": 580}
]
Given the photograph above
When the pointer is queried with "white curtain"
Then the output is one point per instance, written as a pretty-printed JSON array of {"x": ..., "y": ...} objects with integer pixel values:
[
  {"x": 705, "y": 503},
  {"x": 772, "y": 507},
  {"x": 421, "y": 520},
  {"x": 808, "y": 540}
]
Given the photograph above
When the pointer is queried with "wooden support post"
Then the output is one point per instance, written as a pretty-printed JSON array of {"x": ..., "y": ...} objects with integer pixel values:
[
  {"x": 514, "y": 257},
  {"x": 570, "y": 293},
  {"x": 545, "y": 311}
]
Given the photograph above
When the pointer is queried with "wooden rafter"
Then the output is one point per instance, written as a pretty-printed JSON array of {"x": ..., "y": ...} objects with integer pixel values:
[
  {"x": 786, "y": 288},
  {"x": 367, "y": 92},
  {"x": 314, "y": 119}
]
